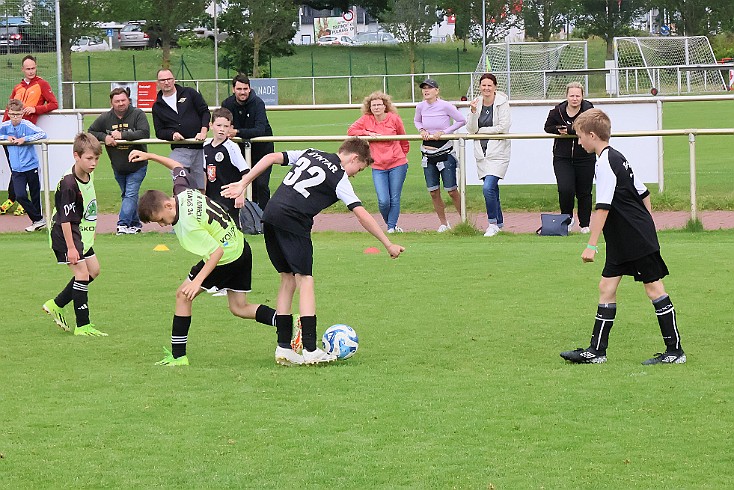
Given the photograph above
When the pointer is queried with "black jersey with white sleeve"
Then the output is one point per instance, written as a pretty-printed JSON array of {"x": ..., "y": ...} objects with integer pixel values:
[
  {"x": 629, "y": 230},
  {"x": 315, "y": 182}
]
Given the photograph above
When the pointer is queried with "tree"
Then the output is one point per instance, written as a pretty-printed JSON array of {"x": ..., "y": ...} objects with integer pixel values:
[
  {"x": 461, "y": 9},
  {"x": 257, "y": 28},
  {"x": 411, "y": 21},
  {"x": 543, "y": 18},
  {"x": 501, "y": 16},
  {"x": 609, "y": 18},
  {"x": 698, "y": 17},
  {"x": 168, "y": 14}
]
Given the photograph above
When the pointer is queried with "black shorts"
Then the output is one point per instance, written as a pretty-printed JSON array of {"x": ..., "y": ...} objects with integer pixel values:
[
  {"x": 235, "y": 276},
  {"x": 288, "y": 252},
  {"x": 61, "y": 257},
  {"x": 647, "y": 269}
]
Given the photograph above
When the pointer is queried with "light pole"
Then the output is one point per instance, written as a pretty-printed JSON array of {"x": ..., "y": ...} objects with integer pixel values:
[{"x": 484, "y": 36}]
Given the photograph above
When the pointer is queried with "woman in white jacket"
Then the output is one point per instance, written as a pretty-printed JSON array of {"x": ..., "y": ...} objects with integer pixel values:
[{"x": 490, "y": 114}]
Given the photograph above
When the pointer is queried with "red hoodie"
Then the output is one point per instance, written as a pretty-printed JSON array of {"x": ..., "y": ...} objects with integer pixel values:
[
  {"x": 36, "y": 93},
  {"x": 386, "y": 154}
]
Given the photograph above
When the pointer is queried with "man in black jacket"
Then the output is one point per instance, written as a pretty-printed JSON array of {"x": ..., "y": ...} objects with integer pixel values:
[
  {"x": 124, "y": 122},
  {"x": 249, "y": 121},
  {"x": 181, "y": 113}
]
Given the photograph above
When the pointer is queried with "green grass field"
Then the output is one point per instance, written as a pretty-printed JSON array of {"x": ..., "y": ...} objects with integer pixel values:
[{"x": 457, "y": 383}]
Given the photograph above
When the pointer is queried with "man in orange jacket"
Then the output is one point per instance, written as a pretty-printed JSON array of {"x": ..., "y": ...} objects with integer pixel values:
[{"x": 37, "y": 98}]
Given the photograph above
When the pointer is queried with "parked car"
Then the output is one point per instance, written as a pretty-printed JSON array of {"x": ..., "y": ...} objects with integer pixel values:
[
  {"x": 335, "y": 41},
  {"x": 26, "y": 38},
  {"x": 140, "y": 35},
  {"x": 89, "y": 43},
  {"x": 204, "y": 33},
  {"x": 374, "y": 38}
]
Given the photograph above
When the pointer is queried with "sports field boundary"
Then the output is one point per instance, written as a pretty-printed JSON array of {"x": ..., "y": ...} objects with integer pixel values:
[{"x": 515, "y": 222}]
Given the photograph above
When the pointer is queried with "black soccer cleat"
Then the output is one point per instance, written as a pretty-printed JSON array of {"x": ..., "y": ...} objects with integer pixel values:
[
  {"x": 666, "y": 357},
  {"x": 583, "y": 356}
]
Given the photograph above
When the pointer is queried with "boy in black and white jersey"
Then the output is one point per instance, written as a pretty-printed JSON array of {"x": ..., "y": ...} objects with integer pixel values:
[
  {"x": 623, "y": 213},
  {"x": 316, "y": 181},
  {"x": 223, "y": 163}
]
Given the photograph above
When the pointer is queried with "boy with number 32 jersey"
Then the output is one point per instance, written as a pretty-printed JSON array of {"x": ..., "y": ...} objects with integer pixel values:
[
  {"x": 316, "y": 180},
  {"x": 205, "y": 229}
]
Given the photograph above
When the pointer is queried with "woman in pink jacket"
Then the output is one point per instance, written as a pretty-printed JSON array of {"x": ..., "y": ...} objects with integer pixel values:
[{"x": 391, "y": 163}]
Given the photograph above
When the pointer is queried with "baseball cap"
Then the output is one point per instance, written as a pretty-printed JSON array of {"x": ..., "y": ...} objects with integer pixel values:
[{"x": 429, "y": 82}]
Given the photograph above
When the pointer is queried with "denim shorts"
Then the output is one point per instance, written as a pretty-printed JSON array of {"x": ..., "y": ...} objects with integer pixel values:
[{"x": 448, "y": 175}]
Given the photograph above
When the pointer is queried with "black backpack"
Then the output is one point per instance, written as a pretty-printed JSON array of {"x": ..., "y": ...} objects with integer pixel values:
[{"x": 251, "y": 218}]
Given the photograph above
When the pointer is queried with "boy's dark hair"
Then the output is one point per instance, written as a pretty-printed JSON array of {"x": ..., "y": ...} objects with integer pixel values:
[
  {"x": 120, "y": 91},
  {"x": 149, "y": 203},
  {"x": 28, "y": 57},
  {"x": 222, "y": 112},
  {"x": 86, "y": 142},
  {"x": 15, "y": 105},
  {"x": 242, "y": 78},
  {"x": 359, "y": 147},
  {"x": 594, "y": 121}
]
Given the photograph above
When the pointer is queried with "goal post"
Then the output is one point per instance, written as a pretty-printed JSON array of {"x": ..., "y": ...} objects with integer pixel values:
[
  {"x": 666, "y": 65},
  {"x": 533, "y": 70}
]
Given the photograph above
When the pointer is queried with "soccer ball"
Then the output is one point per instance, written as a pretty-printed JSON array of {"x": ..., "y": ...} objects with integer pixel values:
[{"x": 341, "y": 340}]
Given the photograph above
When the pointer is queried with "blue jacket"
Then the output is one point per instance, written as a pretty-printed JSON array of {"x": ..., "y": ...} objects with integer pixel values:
[{"x": 24, "y": 157}]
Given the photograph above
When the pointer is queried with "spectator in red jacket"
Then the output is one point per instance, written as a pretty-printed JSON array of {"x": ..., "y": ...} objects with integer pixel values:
[
  {"x": 37, "y": 98},
  {"x": 390, "y": 157}
]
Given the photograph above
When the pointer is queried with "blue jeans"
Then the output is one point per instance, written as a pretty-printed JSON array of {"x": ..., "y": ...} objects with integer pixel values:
[
  {"x": 491, "y": 191},
  {"x": 389, "y": 186},
  {"x": 130, "y": 188}
]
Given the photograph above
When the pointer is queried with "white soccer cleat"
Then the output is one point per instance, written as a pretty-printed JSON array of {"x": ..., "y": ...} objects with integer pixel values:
[
  {"x": 287, "y": 357},
  {"x": 317, "y": 357}
]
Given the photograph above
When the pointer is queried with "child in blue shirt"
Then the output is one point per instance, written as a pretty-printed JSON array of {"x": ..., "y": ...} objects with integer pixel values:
[{"x": 24, "y": 161}]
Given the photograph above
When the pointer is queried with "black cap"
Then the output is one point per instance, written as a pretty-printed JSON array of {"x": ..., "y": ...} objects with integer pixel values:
[{"x": 429, "y": 82}]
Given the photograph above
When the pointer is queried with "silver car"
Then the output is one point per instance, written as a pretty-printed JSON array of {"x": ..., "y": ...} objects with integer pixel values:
[{"x": 133, "y": 36}]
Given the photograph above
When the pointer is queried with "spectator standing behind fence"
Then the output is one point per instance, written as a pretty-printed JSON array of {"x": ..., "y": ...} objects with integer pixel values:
[
  {"x": 23, "y": 161},
  {"x": 490, "y": 114},
  {"x": 390, "y": 157},
  {"x": 181, "y": 113},
  {"x": 433, "y": 118},
  {"x": 37, "y": 97},
  {"x": 573, "y": 166},
  {"x": 124, "y": 122},
  {"x": 250, "y": 120}
]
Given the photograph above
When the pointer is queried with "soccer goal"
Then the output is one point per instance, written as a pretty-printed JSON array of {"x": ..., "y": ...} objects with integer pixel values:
[
  {"x": 666, "y": 65},
  {"x": 533, "y": 70}
]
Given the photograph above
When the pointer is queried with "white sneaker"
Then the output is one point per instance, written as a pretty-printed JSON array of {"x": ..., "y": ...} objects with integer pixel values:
[
  {"x": 121, "y": 230},
  {"x": 398, "y": 229},
  {"x": 585, "y": 230},
  {"x": 287, "y": 357},
  {"x": 444, "y": 228},
  {"x": 570, "y": 225},
  {"x": 492, "y": 230},
  {"x": 133, "y": 230},
  {"x": 36, "y": 225},
  {"x": 318, "y": 356},
  {"x": 391, "y": 230}
]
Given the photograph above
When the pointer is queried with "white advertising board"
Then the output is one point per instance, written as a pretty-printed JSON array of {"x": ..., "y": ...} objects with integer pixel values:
[{"x": 532, "y": 159}]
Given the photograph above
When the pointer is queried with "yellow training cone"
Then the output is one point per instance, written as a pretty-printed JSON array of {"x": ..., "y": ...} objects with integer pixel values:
[{"x": 160, "y": 248}]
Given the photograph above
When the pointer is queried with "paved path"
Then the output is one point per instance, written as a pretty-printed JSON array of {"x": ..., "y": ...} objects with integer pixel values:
[{"x": 514, "y": 222}]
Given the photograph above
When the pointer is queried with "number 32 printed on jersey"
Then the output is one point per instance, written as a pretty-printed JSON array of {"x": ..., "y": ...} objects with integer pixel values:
[{"x": 293, "y": 179}]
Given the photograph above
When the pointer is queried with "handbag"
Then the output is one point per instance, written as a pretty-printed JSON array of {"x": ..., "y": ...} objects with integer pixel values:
[{"x": 554, "y": 224}]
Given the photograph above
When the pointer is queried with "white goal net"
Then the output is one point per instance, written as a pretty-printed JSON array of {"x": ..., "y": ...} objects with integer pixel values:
[
  {"x": 669, "y": 65},
  {"x": 533, "y": 70}
]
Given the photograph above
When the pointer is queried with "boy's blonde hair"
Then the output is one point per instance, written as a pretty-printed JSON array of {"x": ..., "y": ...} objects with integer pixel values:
[
  {"x": 15, "y": 105},
  {"x": 386, "y": 99},
  {"x": 594, "y": 121},
  {"x": 86, "y": 142},
  {"x": 151, "y": 202}
]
